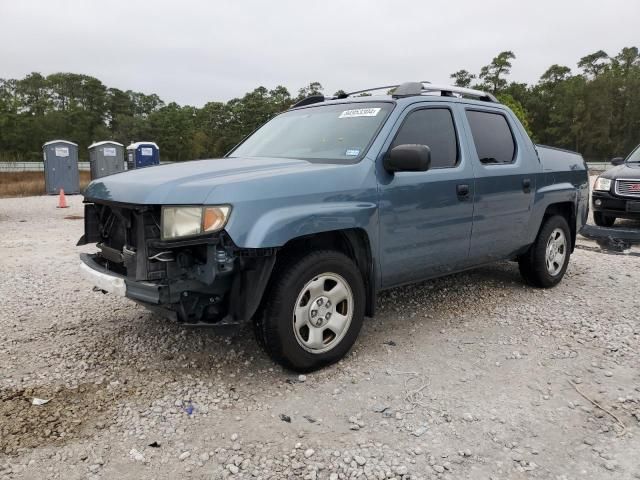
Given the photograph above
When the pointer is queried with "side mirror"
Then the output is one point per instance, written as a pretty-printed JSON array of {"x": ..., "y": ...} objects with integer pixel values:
[
  {"x": 617, "y": 161},
  {"x": 408, "y": 158}
]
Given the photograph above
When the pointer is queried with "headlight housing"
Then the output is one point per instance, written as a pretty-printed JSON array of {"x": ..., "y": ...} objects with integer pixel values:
[
  {"x": 187, "y": 221},
  {"x": 602, "y": 184}
]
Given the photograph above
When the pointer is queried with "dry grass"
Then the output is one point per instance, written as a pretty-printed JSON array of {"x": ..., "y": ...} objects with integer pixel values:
[{"x": 25, "y": 184}]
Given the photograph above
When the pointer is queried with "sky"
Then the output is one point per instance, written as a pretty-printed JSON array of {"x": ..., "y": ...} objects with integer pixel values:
[{"x": 195, "y": 51}]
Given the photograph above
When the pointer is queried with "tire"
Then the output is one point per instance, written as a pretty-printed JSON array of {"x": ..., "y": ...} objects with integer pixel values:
[
  {"x": 603, "y": 220},
  {"x": 301, "y": 340},
  {"x": 533, "y": 265}
]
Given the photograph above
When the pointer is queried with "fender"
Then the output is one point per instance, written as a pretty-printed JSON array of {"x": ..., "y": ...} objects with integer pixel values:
[
  {"x": 275, "y": 227},
  {"x": 546, "y": 196}
]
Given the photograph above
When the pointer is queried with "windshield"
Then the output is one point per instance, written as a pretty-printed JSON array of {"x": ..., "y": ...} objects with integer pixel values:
[
  {"x": 330, "y": 132},
  {"x": 635, "y": 155}
]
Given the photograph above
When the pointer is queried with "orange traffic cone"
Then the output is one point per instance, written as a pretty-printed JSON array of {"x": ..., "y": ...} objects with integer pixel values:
[{"x": 62, "y": 201}]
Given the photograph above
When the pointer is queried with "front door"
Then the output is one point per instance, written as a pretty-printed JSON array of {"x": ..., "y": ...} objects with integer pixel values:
[{"x": 426, "y": 217}]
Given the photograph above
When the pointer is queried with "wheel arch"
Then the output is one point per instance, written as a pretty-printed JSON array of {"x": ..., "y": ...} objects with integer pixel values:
[
  {"x": 566, "y": 210},
  {"x": 562, "y": 198},
  {"x": 353, "y": 242}
]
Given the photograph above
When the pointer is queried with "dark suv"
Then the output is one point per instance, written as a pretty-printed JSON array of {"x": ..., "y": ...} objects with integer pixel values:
[{"x": 616, "y": 193}]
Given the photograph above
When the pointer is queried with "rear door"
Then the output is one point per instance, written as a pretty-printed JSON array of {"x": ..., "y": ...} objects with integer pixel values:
[
  {"x": 426, "y": 217},
  {"x": 505, "y": 181}
]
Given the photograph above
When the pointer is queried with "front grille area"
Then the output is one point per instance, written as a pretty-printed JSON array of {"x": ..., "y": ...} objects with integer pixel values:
[
  {"x": 123, "y": 236},
  {"x": 628, "y": 188}
]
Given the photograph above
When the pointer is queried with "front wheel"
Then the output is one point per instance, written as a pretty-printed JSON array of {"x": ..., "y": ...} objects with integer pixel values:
[
  {"x": 603, "y": 220},
  {"x": 312, "y": 311},
  {"x": 546, "y": 261}
]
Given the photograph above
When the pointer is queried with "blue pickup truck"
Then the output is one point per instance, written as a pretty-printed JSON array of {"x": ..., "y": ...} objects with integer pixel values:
[{"x": 300, "y": 226}]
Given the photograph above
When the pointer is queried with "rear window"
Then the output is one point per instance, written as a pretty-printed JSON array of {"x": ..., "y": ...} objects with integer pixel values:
[
  {"x": 434, "y": 128},
  {"x": 492, "y": 137}
]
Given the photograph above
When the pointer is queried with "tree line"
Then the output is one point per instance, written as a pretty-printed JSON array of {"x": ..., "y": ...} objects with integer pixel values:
[{"x": 595, "y": 110}]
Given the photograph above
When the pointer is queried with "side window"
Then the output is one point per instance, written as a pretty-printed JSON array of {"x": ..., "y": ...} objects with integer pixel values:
[
  {"x": 492, "y": 137},
  {"x": 434, "y": 128}
]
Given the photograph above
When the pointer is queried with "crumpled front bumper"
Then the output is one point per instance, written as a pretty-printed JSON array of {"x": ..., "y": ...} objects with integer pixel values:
[{"x": 120, "y": 285}]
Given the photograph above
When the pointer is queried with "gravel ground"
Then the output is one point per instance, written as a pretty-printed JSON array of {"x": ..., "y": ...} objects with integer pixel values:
[{"x": 470, "y": 376}]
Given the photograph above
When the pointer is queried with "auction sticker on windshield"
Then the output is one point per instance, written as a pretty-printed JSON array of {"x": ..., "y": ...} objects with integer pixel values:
[{"x": 360, "y": 112}]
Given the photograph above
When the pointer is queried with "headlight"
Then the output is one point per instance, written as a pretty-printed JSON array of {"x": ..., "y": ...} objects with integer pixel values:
[
  {"x": 602, "y": 184},
  {"x": 180, "y": 222}
]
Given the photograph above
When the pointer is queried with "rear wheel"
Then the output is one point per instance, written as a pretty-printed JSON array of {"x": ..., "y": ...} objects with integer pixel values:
[
  {"x": 312, "y": 311},
  {"x": 546, "y": 261},
  {"x": 603, "y": 220}
]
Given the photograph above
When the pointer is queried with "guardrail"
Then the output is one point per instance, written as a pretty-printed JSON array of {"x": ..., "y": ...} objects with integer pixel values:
[
  {"x": 38, "y": 166},
  {"x": 32, "y": 166},
  {"x": 598, "y": 166},
  {"x": 84, "y": 166}
]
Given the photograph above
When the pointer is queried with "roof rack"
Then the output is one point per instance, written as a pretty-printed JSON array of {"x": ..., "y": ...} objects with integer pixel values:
[
  {"x": 409, "y": 89},
  {"x": 386, "y": 87},
  {"x": 450, "y": 90}
]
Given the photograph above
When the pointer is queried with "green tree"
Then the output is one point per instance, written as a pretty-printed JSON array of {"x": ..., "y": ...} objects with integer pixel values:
[
  {"x": 594, "y": 64},
  {"x": 517, "y": 108},
  {"x": 462, "y": 78},
  {"x": 555, "y": 74},
  {"x": 492, "y": 75},
  {"x": 595, "y": 112},
  {"x": 314, "y": 88}
]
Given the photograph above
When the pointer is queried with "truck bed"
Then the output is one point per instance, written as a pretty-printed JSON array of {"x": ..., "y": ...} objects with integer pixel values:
[{"x": 559, "y": 160}]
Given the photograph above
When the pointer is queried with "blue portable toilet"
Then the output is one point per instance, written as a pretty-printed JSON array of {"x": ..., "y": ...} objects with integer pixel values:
[{"x": 142, "y": 154}]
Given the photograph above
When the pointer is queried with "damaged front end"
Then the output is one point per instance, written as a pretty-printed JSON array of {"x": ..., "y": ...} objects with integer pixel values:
[{"x": 200, "y": 280}]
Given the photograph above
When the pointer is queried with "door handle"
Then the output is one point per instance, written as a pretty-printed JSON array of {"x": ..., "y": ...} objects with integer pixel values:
[
  {"x": 462, "y": 190},
  {"x": 526, "y": 185}
]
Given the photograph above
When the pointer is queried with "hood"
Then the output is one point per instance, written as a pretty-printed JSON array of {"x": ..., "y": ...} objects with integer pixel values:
[
  {"x": 626, "y": 170},
  {"x": 193, "y": 182}
]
